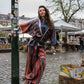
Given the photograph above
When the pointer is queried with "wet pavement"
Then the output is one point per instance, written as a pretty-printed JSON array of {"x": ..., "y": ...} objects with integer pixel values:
[{"x": 51, "y": 72}]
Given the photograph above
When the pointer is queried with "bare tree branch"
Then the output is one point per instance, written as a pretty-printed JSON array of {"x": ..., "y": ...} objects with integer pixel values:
[
  {"x": 67, "y": 8},
  {"x": 73, "y": 14},
  {"x": 61, "y": 5}
]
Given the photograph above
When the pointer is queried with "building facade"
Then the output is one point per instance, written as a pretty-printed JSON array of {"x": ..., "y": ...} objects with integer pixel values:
[
  {"x": 5, "y": 20},
  {"x": 77, "y": 23}
]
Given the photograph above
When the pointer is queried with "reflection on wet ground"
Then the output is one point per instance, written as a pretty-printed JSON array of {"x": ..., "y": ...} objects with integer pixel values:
[{"x": 51, "y": 72}]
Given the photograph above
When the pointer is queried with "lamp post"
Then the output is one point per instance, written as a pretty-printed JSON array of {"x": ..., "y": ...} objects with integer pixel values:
[{"x": 14, "y": 43}]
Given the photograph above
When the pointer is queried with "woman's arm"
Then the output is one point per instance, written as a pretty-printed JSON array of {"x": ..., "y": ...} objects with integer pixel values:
[
  {"x": 53, "y": 40},
  {"x": 27, "y": 27},
  {"x": 20, "y": 30},
  {"x": 24, "y": 27}
]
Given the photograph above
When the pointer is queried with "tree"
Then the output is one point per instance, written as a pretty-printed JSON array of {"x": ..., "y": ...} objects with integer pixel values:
[{"x": 68, "y": 8}]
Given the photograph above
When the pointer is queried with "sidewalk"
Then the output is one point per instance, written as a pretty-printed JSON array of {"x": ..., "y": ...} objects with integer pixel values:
[{"x": 51, "y": 72}]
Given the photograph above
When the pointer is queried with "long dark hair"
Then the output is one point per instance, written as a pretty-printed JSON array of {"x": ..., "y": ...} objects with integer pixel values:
[{"x": 48, "y": 20}]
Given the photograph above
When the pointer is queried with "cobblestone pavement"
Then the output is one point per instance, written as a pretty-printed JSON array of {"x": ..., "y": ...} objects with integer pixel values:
[{"x": 51, "y": 72}]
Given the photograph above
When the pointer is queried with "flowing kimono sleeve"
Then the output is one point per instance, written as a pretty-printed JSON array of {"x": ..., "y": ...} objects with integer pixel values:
[
  {"x": 53, "y": 38},
  {"x": 29, "y": 26}
]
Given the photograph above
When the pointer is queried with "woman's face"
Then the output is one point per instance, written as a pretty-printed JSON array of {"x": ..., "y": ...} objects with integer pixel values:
[{"x": 42, "y": 12}]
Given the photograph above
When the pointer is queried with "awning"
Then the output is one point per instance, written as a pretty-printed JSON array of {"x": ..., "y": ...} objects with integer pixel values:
[{"x": 60, "y": 24}]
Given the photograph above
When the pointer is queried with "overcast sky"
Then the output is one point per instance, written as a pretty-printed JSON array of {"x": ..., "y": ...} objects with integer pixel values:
[{"x": 29, "y": 8}]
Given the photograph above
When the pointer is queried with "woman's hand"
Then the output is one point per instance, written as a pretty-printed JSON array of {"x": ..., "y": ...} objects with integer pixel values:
[{"x": 52, "y": 48}]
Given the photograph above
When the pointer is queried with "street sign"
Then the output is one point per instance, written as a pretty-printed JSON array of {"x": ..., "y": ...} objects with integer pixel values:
[{"x": 14, "y": 43}]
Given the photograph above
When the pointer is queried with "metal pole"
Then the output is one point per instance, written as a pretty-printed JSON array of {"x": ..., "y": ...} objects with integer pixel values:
[
  {"x": 61, "y": 39},
  {"x": 14, "y": 43}
]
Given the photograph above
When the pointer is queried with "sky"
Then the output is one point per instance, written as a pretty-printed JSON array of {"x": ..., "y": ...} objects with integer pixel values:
[{"x": 29, "y": 8}]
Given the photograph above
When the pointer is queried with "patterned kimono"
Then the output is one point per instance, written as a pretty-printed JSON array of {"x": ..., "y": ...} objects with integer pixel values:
[{"x": 36, "y": 58}]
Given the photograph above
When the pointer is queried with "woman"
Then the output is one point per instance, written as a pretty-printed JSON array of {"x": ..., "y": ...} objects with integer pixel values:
[{"x": 41, "y": 30}]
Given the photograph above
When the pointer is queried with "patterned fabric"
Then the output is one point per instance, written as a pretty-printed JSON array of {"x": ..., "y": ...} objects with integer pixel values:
[
  {"x": 33, "y": 29},
  {"x": 35, "y": 65},
  {"x": 36, "y": 58}
]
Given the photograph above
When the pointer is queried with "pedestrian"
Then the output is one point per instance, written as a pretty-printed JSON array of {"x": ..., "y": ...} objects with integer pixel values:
[
  {"x": 57, "y": 36},
  {"x": 81, "y": 39},
  {"x": 41, "y": 30}
]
